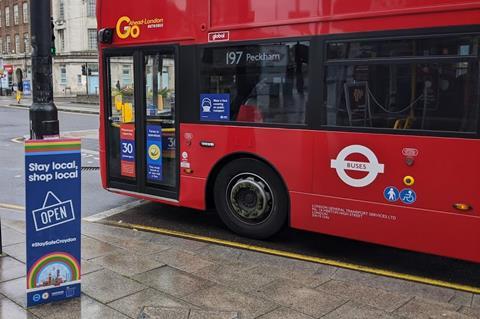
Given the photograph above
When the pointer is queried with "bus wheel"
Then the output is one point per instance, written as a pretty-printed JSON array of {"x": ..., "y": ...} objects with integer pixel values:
[{"x": 251, "y": 199}]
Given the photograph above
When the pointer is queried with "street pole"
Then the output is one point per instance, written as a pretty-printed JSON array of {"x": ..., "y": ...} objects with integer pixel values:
[{"x": 43, "y": 112}]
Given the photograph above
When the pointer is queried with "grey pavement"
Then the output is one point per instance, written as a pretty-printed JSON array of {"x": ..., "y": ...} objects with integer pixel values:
[
  {"x": 63, "y": 104},
  {"x": 133, "y": 274}
]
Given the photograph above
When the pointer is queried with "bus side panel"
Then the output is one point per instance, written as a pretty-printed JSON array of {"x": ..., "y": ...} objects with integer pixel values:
[
  {"x": 290, "y": 152},
  {"x": 192, "y": 192},
  {"x": 427, "y": 231}
]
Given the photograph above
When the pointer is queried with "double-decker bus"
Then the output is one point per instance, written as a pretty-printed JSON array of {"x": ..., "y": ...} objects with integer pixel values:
[{"x": 357, "y": 119}]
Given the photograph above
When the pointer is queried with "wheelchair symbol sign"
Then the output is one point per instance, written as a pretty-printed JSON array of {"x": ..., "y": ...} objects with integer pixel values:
[{"x": 408, "y": 196}]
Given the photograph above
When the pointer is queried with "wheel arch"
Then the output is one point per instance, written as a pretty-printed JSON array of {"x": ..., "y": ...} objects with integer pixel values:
[{"x": 212, "y": 176}]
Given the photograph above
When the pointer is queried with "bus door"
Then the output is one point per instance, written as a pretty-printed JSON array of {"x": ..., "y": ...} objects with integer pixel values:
[{"x": 141, "y": 122}]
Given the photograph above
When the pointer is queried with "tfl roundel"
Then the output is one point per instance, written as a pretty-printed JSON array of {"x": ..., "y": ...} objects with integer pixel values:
[{"x": 371, "y": 166}]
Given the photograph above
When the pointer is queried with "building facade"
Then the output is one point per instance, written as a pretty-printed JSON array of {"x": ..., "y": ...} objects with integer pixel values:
[
  {"x": 15, "y": 45},
  {"x": 75, "y": 66}
]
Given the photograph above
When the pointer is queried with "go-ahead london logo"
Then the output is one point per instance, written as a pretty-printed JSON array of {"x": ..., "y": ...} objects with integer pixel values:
[{"x": 372, "y": 166}]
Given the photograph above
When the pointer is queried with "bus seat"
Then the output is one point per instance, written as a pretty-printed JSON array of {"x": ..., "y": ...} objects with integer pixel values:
[{"x": 249, "y": 113}]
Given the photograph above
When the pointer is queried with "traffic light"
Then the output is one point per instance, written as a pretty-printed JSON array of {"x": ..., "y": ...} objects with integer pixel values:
[
  {"x": 53, "y": 49},
  {"x": 84, "y": 69}
]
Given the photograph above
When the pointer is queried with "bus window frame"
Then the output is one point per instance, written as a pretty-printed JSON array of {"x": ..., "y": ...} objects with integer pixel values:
[
  {"x": 423, "y": 33},
  {"x": 138, "y": 53},
  {"x": 201, "y": 47}
]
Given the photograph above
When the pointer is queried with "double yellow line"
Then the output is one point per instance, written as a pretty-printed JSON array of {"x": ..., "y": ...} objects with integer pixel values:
[{"x": 281, "y": 253}]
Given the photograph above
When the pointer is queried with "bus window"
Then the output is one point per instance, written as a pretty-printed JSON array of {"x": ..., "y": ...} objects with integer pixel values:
[
  {"x": 266, "y": 83},
  {"x": 389, "y": 93},
  {"x": 160, "y": 115},
  {"x": 122, "y": 118}
]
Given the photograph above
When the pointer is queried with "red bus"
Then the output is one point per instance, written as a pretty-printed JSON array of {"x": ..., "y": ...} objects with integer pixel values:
[{"x": 357, "y": 119}]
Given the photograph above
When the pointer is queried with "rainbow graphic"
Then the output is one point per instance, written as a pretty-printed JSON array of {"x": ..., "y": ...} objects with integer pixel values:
[
  {"x": 53, "y": 269},
  {"x": 60, "y": 146}
]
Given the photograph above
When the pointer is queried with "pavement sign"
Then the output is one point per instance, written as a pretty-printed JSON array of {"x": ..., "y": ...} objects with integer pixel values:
[{"x": 53, "y": 215}]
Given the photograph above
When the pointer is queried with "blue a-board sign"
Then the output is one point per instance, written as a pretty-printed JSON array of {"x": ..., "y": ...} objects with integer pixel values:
[
  {"x": 154, "y": 153},
  {"x": 53, "y": 214},
  {"x": 27, "y": 88},
  {"x": 215, "y": 107}
]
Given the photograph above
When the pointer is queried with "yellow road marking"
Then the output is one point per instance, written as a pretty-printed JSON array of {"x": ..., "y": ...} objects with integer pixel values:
[
  {"x": 12, "y": 207},
  {"x": 318, "y": 260}
]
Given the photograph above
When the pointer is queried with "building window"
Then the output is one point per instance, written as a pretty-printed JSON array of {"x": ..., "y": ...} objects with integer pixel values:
[
  {"x": 17, "y": 43},
  {"x": 61, "y": 10},
  {"x": 263, "y": 83},
  {"x": 7, "y": 16},
  {"x": 26, "y": 17},
  {"x": 428, "y": 84},
  {"x": 8, "y": 45},
  {"x": 92, "y": 39},
  {"x": 63, "y": 74},
  {"x": 26, "y": 42},
  {"x": 127, "y": 70},
  {"x": 1, "y": 45},
  {"x": 79, "y": 79},
  {"x": 61, "y": 40},
  {"x": 16, "y": 15},
  {"x": 91, "y": 6},
  {"x": 0, "y": 18}
]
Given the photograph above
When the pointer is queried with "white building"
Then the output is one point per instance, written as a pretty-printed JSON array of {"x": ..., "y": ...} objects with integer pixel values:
[{"x": 75, "y": 66}]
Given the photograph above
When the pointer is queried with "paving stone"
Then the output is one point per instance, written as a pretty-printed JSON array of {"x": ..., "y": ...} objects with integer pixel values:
[
  {"x": 179, "y": 243},
  {"x": 11, "y": 269},
  {"x": 462, "y": 298},
  {"x": 10, "y": 310},
  {"x": 106, "y": 233},
  {"x": 78, "y": 308},
  {"x": 175, "y": 313},
  {"x": 202, "y": 314},
  {"x": 89, "y": 267},
  {"x": 309, "y": 301},
  {"x": 127, "y": 265},
  {"x": 397, "y": 286},
  {"x": 183, "y": 260},
  {"x": 244, "y": 280},
  {"x": 106, "y": 286},
  {"x": 11, "y": 237},
  {"x": 164, "y": 313},
  {"x": 352, "y": 310},
  {"x": 172, "y": 281},
  {"x": 374, "y": 297},
  {"x": 472, "y": 312},
  {"x": 135, "y": 242},
  {"x": 476, "y": 301},
  {"x": 14, "y": 224},
  {"x": 15, "y": 290},
  {"x": 222, "y": 254},
  {"x": 92, "y": 248},
  {"x": 428, "y": 309},
  {"x": 226, "y": 299},
  {"x": 132, "y": 305},
  {"x": 310, "y": 278},
  {"x": 308, "y": 274},
  {"x": 17, "y": 251},
  {"x": 284, "y": 313}
]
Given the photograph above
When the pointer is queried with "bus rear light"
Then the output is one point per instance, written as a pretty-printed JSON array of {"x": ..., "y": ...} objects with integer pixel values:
[
  {"x": 462, "y": 207},
  {"x": 188, "y": 171}
]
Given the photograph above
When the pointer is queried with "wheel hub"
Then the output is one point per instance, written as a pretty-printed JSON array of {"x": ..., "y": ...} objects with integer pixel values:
[{"x": 251, "y": 198}]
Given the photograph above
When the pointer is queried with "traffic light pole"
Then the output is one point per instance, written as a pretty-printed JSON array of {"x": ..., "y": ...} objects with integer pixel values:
[{"x": 43, "y": 112}]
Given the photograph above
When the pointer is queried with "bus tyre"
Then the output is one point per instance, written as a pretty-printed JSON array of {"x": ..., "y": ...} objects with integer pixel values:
[{"x": 251, "y": 199}]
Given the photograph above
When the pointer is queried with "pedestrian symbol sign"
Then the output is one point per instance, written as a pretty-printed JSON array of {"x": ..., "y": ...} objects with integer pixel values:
[{"x": 391, "y": 194}]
